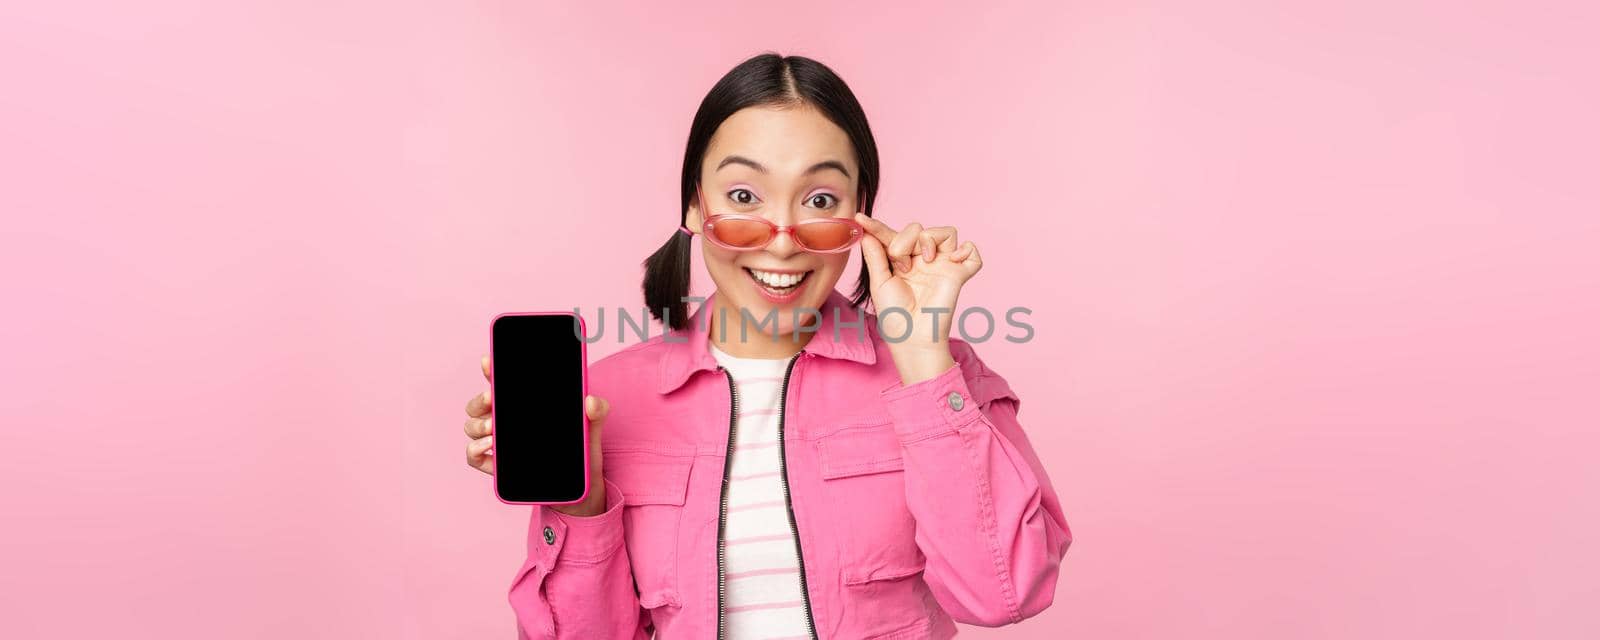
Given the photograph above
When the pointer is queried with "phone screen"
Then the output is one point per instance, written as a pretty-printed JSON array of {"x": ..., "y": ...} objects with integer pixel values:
[{"x": 538, "y": 388}]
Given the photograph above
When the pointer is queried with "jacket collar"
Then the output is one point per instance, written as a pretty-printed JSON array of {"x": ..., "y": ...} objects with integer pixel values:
[{"x": 688, "y": 350}]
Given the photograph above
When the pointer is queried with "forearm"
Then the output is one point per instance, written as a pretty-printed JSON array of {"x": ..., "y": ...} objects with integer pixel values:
[{"x": 920, "y": 362}]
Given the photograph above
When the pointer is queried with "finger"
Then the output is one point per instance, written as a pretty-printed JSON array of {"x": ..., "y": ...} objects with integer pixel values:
[
  {"x": 937, "y": 241},
  {"x": 974, "y": 261},
  {"x": 478, "y": 428},
  {"x": 479, "y": 405},
  {"x": 925, "y": 246},
  {"x": 962, "y": 252},
  {"x": 944, "y": 237},
  {"x": 479, "y": 446},
  {"x": 877, "y": 261},
  {"x": 596, "y": 408},
  {"x": 875, "y": 227},
  {"x": 478, "y": 455},
  {"x": 487, "y": 368},
  {"x": 904, "y": 242}
]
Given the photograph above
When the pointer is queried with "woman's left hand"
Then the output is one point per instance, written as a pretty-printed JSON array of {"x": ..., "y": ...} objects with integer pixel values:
[{"x": 920, "y": 271}]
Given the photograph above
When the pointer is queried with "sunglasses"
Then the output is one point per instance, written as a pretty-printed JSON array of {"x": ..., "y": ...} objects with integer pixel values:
[{"x": 742, "y": 232}]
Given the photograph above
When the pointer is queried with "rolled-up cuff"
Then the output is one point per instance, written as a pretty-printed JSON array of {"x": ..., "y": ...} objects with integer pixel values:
[
  {"x": 569, "y": 538},
  {"x": 932, "y": 407}
]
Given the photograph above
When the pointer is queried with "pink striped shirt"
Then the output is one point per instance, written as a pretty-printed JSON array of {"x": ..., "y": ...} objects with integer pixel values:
[{"x": 764, "y": 599}]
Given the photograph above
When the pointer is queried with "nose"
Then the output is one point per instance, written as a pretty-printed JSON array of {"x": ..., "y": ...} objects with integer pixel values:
[{"x": 784, "y": 245}]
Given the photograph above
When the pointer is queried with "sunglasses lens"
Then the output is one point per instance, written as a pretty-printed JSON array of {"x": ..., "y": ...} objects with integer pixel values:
[
  {"x": 741, "y": 234},
  {"x": 827, "y": 235}
]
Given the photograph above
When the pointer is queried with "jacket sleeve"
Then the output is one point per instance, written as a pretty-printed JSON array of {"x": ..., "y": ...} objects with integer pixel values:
[
  {"x": 576, "y": 581},
  {"x": 988, "y": 521}
]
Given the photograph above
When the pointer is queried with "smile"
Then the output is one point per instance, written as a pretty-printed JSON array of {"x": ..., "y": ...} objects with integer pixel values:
[{"x": 778, "y": 284}]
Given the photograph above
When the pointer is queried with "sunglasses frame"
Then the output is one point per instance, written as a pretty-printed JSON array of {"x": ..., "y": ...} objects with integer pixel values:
[{"x": 857, "y": 232}]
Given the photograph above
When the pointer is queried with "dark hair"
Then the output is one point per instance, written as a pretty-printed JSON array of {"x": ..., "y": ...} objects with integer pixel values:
[{"x": 767, "y": 79}]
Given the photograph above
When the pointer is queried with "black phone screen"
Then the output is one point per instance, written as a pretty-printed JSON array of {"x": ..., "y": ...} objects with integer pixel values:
[{"x": 537, "y": 398}]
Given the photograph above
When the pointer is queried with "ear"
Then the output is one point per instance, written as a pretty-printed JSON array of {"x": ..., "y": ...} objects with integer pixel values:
[{"x": 693, "y": 219}]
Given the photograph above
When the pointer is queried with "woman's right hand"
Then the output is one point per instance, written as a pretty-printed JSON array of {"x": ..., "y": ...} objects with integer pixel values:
[{"x": 480, "y": 434}]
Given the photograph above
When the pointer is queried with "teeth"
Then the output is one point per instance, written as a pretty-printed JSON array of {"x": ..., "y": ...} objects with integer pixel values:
[{"x": 778, "y": 280}]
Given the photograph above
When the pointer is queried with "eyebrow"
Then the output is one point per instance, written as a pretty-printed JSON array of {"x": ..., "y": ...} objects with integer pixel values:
[
  {"x": 828, "y": 164},
  {"x": 825, "y": 164}
]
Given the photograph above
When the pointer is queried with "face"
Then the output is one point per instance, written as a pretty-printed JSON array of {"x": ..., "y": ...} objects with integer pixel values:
[{"x": 785, "y": 164}]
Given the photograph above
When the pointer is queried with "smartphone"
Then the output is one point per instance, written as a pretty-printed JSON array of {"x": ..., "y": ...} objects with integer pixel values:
[{"x": 538, "y": 379}]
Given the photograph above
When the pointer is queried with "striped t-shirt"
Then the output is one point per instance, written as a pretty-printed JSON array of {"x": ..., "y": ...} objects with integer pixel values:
[{"x": 764, "y": 599}]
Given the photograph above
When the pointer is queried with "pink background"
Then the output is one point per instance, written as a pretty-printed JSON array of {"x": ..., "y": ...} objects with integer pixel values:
[{"x": 1315, "y": 292}]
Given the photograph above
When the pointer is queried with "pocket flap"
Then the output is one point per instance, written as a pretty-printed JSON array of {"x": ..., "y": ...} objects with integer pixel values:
[
  {"x": 862, "y": 575},
  {"x": 858, "y": 451},
  {"x": 646, "y": 477}
]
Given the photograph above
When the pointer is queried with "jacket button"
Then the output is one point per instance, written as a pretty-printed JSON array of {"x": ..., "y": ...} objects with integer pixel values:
[
  {"x": 549, "y": 536},
  {"x": 955, "y": 401}
]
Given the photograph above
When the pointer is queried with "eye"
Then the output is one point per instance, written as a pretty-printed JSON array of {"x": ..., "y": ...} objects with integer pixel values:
[
  {"x": 822, "y": 201},
  {"x": 742, "y": 196}
]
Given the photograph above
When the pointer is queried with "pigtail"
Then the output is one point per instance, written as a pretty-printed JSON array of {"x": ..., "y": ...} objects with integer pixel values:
[{"x": 666, "y": 281}]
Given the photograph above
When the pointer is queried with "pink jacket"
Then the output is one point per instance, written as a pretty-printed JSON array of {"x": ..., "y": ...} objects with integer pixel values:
[{"x": 915, "y": 506}]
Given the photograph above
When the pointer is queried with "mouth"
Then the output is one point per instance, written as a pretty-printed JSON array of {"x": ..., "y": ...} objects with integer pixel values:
[{"x": 778, "y": 286}]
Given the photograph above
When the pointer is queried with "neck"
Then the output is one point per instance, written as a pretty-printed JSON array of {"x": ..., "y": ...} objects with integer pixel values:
[{"x": 754, "y": 343}]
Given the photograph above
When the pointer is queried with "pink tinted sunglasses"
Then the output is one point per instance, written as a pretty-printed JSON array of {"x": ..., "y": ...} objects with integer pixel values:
[{"x": 743, "y": 232}]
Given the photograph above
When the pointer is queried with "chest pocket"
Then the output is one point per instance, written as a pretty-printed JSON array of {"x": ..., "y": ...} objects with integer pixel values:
[
  {"x": 863, "y": 473},
  {"x": 654, "y": 480}
]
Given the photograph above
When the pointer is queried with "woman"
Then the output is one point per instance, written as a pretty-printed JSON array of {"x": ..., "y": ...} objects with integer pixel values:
[{"x": 782, "y": 464}]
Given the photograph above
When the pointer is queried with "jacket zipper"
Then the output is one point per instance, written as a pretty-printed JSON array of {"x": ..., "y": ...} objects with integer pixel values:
[
  {"x": 722, "y": 513},
  {"x": 783, "y": 472},
  {"x": 722, "y": 509}
]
